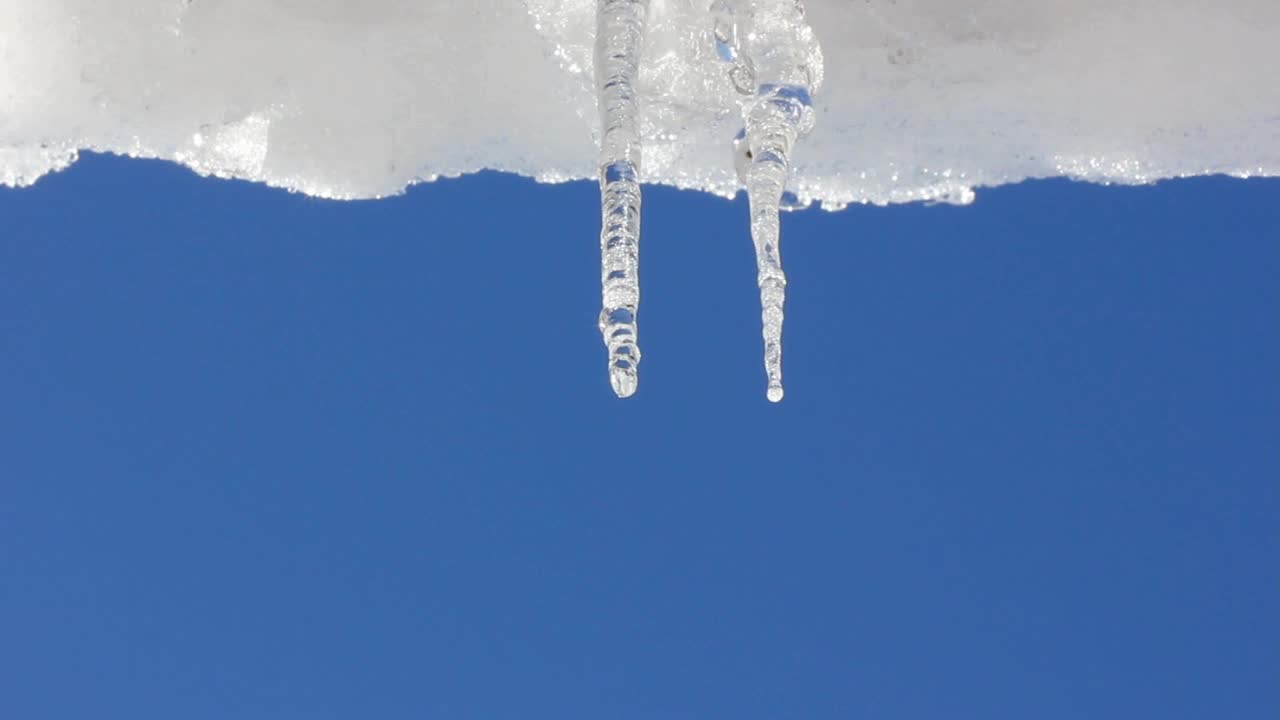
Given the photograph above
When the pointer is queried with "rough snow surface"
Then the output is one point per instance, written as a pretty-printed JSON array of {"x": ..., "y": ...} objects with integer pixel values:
[{"x": 922, "y": 99}]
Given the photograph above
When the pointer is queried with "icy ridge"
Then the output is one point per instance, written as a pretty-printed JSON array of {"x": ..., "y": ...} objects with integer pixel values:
[{"x": 923, "y": 99}]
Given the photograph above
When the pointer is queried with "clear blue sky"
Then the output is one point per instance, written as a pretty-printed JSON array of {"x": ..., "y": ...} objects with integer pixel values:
[{"x": 266, "y": 456}]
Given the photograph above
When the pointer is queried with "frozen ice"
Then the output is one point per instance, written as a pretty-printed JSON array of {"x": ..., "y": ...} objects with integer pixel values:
[
  {"x": 826, "y": 101},
  {"x": 620, "y": 32},
  {"x": 923, "y": 99},
  {"x": 776, "y": 63}
]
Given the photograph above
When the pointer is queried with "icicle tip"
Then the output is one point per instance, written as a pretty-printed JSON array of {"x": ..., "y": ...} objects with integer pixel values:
[{"x": 623, "y": 380}]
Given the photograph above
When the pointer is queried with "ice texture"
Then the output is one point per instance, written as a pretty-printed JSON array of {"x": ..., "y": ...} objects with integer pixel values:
[
  {"x": 922, "y": 99},
  {"x": 620, "y": 31},
  {"x": 775, "y": 63}
]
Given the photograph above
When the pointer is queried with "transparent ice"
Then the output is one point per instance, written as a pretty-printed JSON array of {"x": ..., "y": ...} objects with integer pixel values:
[
  {"x": 776, "y": 62},
  {"x": 619, "y": 34},
  {"x": 914, "y": 100}
]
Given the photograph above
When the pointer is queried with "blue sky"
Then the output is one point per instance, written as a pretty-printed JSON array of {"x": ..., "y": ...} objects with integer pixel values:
[{"x": 266, "y": 456}]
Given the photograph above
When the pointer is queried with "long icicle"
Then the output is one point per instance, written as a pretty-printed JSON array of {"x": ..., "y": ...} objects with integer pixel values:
[
  {"x": 766, "y": 179},
  {"x": 620, "y": 28},
  {"x": 776, "y": 63}
]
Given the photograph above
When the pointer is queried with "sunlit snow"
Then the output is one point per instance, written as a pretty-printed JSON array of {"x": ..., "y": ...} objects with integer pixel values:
[{"x": 923, "y": 99}]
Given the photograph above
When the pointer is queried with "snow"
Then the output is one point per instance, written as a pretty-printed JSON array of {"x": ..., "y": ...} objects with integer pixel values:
[{"x": 921, "y": 100}]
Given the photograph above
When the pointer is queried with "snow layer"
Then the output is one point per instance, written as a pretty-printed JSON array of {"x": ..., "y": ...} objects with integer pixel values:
[{"x": 922, "y": 99}]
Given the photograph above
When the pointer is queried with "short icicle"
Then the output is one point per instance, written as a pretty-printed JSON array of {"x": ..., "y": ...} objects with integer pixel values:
[
  {"x": 620, "y": 28},
  {"x": 777, "y": 65}
]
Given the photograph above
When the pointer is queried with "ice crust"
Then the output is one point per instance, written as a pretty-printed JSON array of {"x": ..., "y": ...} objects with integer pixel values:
[{"x": 922, "y": 99}]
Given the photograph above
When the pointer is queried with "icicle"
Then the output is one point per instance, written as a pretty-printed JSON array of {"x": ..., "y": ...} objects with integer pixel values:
[
  {"x": 620, "y": 27},
  {"x": 777, "y": 64}
]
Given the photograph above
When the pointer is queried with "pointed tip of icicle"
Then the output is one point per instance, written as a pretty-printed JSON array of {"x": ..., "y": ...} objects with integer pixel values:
[
  {"x": 774, "y": 394},
  {"x": 623, "y": 380}
]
